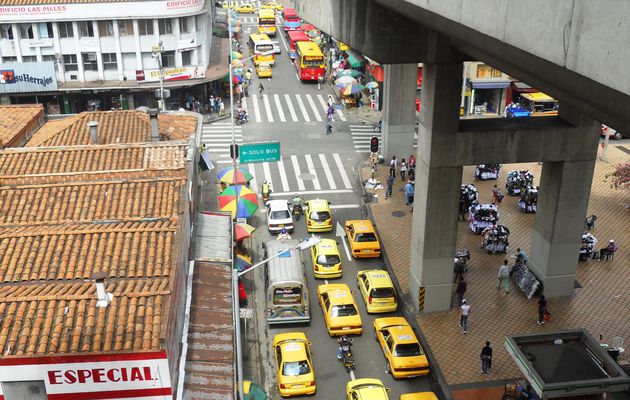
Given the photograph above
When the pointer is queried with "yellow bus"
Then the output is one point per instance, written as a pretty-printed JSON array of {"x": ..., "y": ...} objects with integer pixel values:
[
  {"x": 267, "y": 21},
  {"x": 260, "y": 43},
  {"x": 309, "y": 61},
  {"x": 539, "y": 104}
]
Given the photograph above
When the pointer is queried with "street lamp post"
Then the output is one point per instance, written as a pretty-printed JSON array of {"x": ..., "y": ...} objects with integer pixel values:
[
  {"x": 157, "y": 53},
  {"x": 306, "y": 244}
]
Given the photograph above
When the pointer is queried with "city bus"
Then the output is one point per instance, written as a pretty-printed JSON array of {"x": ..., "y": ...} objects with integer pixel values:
[
  {"x": 309, "y": 61},
  {"x": 539, "y": 104},
  {"x": 294, "y": 37},
  {"x": 267, "y": 21},
  {"x": 260, "y": 43},
  {"x": 286, "y": 291},
  {"x": 291, "y": 21}
]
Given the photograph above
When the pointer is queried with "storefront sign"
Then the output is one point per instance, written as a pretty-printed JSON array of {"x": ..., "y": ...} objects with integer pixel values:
[
  {"x": 83, "y": 11},
  {"x": 126, "y": 375},
  {"x": 170, "y": 74},
  {"x": 44, "y": 42},
  {"x": 27, "y": 77}
]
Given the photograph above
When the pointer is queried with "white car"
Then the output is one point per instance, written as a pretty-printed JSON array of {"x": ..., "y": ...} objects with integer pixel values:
[
  {"x": 279, "y": 216},
  {"x": 612, "y": 133},
  {"x": 276, "y": 47}
]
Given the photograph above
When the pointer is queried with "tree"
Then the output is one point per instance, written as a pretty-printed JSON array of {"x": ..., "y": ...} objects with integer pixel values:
[{"x": 620, "y": 177}]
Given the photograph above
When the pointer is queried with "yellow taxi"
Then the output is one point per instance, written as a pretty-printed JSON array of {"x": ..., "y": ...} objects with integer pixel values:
[
  {"x": 318, "y": 216},
  {"x": 263, "y": 70},
  {"x": 245, "y": 8},
  {"x": 362, "y": 239},
  {"x": 405, "y": 357},
  {"x": 293, "y": 364},
  {"x": 326, "y": 259},
  {"x": 419, "y": 396},
  {"x": 273, "y": 5},
  {"x": 366, "y": 389},
  {"x": 377, "y": 290},
  {"x": 340, "y": 310}
]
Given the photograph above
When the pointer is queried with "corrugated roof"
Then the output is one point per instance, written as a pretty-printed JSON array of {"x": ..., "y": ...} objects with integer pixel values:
[
  {"x": 16, "y": 122},
  {"x": 116, "y": 126},
  {"x": 214, "y": 237}
]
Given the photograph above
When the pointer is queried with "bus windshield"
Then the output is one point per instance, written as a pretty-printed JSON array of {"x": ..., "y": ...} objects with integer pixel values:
[{"x": 287, "y": 295}]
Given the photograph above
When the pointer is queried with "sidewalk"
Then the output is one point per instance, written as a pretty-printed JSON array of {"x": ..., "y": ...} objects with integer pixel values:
[{"x": 600, "y": 304}]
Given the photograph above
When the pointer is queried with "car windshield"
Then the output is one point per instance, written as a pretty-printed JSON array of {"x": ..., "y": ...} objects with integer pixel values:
[
  {"x": 319, "y": 216},
  {"x": 407, "y": 350},
  {"x": 365, "y": 237},
  {"x": 295, "y": 368},
  {"x": 343, "y": 310},
  {"x": 328, "y": 259},
  {"x": 380, "y": 293},
  {"x": 281, "y": 214}
]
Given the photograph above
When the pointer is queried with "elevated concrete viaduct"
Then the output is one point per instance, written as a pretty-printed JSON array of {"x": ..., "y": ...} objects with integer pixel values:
[{"x": 522, "y": 40}]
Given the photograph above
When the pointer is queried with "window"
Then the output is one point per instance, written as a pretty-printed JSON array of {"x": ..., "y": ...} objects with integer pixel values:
[
  {"x": 29, "y": 59},
  {"x": 168, "y": 60},
  {"x": 486, "y": 71},
  {"x": 109, "y": 61},
  {"x": 89, "y": 62},
  {"x": 106, "y": 28},
  {"x": 165, "y": 26},
  {"x": 125, "y": 28},
  {"x": 184, "y": 26},
  {"x": 65, "y": 29},
  {"x": 186, "y": 57},
  {"x": 9, "y": 59},
  {"x": 46, "y": 30},
  {"x": 145, "y": 26},
  {"x": 6, "y": 31},
  {"x": 70, "y": 62},
  {"x": 199, "y": 19},
  {"x": 49, "y": 58},
  {"x": 86, "y": 29},
  {"x": 34, "y": 390},
  {"x": 26, "y": 31}
]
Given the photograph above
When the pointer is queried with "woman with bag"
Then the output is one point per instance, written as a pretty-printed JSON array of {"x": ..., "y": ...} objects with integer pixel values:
[
  {"x": 543, "y": 314},
  {"x": 403, "y": 169}
]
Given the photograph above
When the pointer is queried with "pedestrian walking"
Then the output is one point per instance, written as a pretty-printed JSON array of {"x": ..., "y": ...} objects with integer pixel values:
[
  {"x": 221, "y": 108},
  {"x": 460, "y": 290},
  {"x": 412, "y": 161},
  {"x": 504, "y": 277},
  {"x": 461, "y": 213},
  {"x": 211, "y": 104},
  {"x": 589, "y": 222},
  {"x": 459, "y": 268},
  {"x": 542, "y": 309},
  {"x": 393, "y": 164},
  {"x": 403, "y": 169},
  {"x": 409, "y": 193},
  {"x": 320, "y": 82},
  {"x": 464, "y": 311},
  {"x": 261, "y": 88},
  {"x": 390, "y": 185},
  {"x": 330, "y": 101},
  {"x": 248, "y": 76},
  {"x": 497, "y": 196},
  {"x": 486, "y": 358},
  {"x": 329, "y": 125}
]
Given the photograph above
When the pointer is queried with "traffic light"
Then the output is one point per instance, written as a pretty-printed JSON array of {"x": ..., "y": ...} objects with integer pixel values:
[
  {"x": 374, "y": 144},
  {"x": 233, "y": 151}
]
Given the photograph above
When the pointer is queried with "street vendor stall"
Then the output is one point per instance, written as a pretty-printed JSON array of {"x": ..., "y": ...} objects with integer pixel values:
[
  {"x": 517, "y": 181},
  {"x": 482, "y": 216},
  {"x": 495, "y": 239},
  {"x": 487, "y": 171},
  {"x": 529, "y": 199}
]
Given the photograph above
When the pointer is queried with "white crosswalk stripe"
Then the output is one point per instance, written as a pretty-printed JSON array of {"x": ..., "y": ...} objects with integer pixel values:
[
  {"x": 256, "y": 109},
  {"x": 302, "y": 174},
  {"x": 279, "y": 107},
  {"x": 302, "y": 108},
  {"x": 361, "y": 135},
  {"x": 285, "y": 107},
  {"x": 291, "y": 109},
  {"x": 218, "y": 137},
  {"x": 317, "y": 113},
  {"x": 267, "y": 108}
]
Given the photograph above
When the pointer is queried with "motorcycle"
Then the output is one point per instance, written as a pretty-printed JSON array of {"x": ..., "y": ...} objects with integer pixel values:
[
  {"x": 297, "y": 211},
  {"x": 378, "y": 127},
  {"x": 265, "y": 195},
  {"x": 347, "y": 358}
]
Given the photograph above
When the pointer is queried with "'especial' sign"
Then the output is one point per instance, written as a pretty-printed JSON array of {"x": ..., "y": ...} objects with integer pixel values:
[
  {"x": 116, "y": 376},
  {"x": 104, "y": 10}
]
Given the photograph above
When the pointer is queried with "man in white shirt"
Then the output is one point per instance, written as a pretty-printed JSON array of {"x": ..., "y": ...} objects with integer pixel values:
[{"x": 463, "y": 315}]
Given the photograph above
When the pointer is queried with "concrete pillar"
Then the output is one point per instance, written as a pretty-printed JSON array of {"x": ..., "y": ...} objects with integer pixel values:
[
  {"x": 434, "y": 231},
  {"x": 399, "y": 110}
]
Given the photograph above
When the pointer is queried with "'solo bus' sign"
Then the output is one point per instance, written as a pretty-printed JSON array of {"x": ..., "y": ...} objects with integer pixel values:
[{"x": 259, "y": 152}]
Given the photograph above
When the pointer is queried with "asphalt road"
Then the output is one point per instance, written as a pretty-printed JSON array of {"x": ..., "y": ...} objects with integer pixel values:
[{"x": 315, "y": 165}]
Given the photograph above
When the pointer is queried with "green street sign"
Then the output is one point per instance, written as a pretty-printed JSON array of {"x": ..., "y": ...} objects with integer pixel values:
[{"x": 259, "y": 152}]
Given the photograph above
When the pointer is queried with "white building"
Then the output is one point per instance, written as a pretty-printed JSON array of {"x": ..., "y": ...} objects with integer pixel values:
[{"x": 98, "y": 46}]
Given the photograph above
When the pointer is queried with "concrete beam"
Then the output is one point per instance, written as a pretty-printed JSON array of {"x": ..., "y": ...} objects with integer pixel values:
[{"x": 399, "y": 110}]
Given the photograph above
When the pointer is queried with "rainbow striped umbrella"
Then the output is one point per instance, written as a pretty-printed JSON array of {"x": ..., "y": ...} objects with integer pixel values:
[
  {"x": 242, "y": 262},
  {"x": 235, "y": 176},
  {"x": 238, "y": 200},
  {"x": 352, "y": 89},
  {"x": 242, "y": 231}
]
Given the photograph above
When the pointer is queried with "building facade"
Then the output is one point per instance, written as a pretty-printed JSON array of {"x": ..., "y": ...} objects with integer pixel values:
[{"x": 103, "y": 54}]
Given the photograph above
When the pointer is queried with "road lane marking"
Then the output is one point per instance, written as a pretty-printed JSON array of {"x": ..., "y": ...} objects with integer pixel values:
[
  {"x": 343, "y": 206},
  {"x": 286, "y": 47},
  {"x": 267, "y": 173},
  {"x": 296, "y": 168},
  {"x": 291, "y": 109},
  {"x": 322, "y": 102},
  {"x": 352, "y": 375},
  {"x": 256, "y": 109},
  {"x": 302, "y": 108},
  {"x": 280, "y": 111},
  {"x": 318, "y": 117},
  {"x": 340, "y": 113},
  {"x": 290, "y": 193},
  {"x": 327, "y": 171},
  {"x": 342, "y": 171},
  {"x": 283, "y": 176},
  {"x": 267, "y": 107},
  {"x": 311, "y": 170}
]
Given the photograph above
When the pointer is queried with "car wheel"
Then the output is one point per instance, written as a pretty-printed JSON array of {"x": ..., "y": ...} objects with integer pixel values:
[
  {"x": 388, "y": 368},
  {"x": 617, "y": 136}
]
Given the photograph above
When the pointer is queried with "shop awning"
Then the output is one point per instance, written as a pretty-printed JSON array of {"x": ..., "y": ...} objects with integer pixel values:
[
  {"x": 376, "y": 71},
  {"x": 355, "y": 59},
  {"x": 522, "y": 87},
  {"x": 491, "y": 83}
]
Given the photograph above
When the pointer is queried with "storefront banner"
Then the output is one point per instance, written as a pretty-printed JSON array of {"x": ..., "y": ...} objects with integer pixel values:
[
  {"x": 28, "y": 77},
  {"x": 87, "y": 11},
  {"x": 111, "y": 376},
  {"x": 171, "y": 74},
  {"x": 40, "y": 42}
]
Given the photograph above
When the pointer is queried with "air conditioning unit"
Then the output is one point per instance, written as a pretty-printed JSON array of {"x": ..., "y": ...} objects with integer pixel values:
[{"x": 74, "y": 77}]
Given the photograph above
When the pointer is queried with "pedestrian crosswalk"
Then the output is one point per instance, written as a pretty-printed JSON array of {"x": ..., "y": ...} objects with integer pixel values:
[
  {"x": 361, "y": 135},
  {"x": 218, "y": 137},
  {"x": 288, "y": 108},
  {"x": 249, "y": 20}
]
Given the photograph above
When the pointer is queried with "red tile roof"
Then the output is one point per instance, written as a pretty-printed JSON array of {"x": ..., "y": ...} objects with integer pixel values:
[{"x": 17, "y": 122}]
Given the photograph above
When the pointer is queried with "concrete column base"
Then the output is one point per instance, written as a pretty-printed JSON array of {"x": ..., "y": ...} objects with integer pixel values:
[
  {"x": 435, "y": 296},
  {"x": 399, "y": 112}
]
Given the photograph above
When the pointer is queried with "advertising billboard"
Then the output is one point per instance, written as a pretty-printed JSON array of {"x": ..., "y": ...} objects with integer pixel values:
[{"x": 27, "y": 77}]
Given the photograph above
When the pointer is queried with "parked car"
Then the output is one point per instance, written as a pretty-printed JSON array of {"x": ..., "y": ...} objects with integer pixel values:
[
  {"x": 612, "y": 133},
  {"x": 279, "y": 216}
]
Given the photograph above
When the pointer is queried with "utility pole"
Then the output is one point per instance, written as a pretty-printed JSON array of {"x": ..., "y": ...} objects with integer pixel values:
[{"x": 157, "y": 53}]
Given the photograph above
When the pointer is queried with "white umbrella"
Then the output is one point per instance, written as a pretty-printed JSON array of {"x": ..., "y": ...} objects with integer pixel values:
[{"x": 345, "y": 80}]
